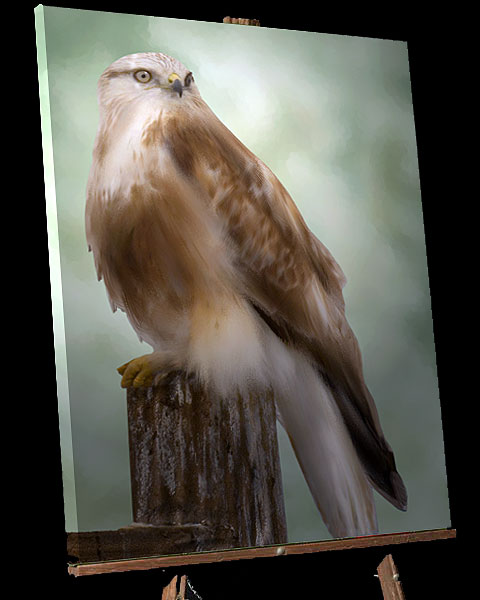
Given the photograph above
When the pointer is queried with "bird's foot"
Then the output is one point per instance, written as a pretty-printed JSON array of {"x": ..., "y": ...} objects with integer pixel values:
[
  {"x": 145, "y": 370},
  {"x": 137, "y": 372}
]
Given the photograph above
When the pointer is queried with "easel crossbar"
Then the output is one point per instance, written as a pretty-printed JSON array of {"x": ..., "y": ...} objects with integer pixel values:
[{"x": 139, "y": 564}]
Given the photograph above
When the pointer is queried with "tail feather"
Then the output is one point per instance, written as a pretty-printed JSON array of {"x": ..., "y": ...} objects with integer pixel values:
[
  {"x": 325, "y": 452},
  {"x": 372, "y": 448}
]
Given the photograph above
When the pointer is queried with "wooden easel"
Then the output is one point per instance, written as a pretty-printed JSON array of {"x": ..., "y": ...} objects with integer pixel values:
[
  {"x": 171, "y": 593},
  {"x": 387, "y": 573},
  {"x": 390, "y": 579},
  {"x": 168, "y": 544},
  {"x": 179, "y": 589}
]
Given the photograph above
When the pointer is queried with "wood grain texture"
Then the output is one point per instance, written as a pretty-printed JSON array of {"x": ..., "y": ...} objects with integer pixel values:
[
  {"x": 248, "y": 553},
  {"x": 207, "y": 463},
  {"x": 389, "y": 579},
  {"x": 170, "y": 592},
  {"x": 254, "y": 22},
  {"x": 133, "y": 542},
  {"x": 205, "y": 475},
  {"x": 183, "y": 587}
]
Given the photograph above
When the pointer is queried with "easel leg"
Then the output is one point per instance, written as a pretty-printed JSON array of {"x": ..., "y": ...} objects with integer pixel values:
[
  {"x": 389, "y": 579},
  {"x": 171, "y": 593}
]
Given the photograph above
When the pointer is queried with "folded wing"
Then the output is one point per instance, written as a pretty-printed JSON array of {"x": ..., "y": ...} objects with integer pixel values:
[{"x": 289, "y": 277}]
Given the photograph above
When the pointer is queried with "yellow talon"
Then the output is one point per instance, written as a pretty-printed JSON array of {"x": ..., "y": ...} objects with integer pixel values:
[
  {"x": 137, "y": 372},
  {"x": 121, "y": 369}
]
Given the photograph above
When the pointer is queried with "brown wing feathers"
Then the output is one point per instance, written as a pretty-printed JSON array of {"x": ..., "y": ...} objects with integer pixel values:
[{"x": 290, "y": 278}]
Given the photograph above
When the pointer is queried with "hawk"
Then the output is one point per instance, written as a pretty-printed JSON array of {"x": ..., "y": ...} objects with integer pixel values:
[{"x": 205, "y": 251}]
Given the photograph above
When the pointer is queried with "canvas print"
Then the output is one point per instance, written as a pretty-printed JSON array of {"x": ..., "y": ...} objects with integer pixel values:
[{"x": 242, "y": 318}]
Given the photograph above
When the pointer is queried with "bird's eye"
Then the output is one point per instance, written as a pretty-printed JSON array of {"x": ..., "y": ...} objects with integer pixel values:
[
  {"x": 188, "y": 79},
  {"x": 142, "y": 76}
]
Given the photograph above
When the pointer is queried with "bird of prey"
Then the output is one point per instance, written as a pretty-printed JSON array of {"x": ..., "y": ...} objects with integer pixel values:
[{"x": 205, "y": 251}]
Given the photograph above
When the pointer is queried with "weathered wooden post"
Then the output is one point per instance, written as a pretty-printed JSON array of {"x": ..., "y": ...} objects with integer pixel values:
[{"x": 205, "y": 473}]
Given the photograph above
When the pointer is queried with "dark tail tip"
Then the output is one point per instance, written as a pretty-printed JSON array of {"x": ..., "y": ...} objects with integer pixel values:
[
  {"x": 392, "y": 488},
  {"x": 399, "y": 497}
]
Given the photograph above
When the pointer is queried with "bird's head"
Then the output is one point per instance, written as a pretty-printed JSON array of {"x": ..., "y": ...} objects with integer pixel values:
[{"x": 150, "y": 76}]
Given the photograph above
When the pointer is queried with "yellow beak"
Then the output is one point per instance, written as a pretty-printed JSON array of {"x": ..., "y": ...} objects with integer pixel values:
[{"x": 176, "y": 82}]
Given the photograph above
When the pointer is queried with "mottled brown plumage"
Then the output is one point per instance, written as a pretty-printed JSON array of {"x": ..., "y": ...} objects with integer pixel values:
[{"x": 204, "y": 249}]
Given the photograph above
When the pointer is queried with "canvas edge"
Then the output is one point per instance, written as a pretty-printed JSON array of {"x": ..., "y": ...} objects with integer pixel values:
[{"x": 66, "y": 441}]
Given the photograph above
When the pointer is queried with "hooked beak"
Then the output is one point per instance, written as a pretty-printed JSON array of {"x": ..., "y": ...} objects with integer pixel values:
[{"x": 177, "y": 87}]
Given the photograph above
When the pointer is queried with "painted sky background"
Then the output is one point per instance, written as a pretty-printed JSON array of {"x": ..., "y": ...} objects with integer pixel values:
[{"x": 332, "y": 116}]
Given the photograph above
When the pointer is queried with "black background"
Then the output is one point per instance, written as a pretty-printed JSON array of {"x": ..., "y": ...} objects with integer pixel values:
[{"x": 38, "y": 548}]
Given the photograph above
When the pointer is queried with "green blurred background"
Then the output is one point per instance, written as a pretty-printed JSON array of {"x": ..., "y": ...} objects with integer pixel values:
[{"x": 332, "y": 116}]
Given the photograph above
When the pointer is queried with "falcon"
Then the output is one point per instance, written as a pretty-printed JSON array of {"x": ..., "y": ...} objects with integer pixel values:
[{"x": 202, "y": 247}]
